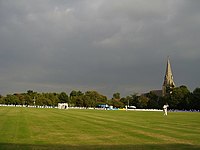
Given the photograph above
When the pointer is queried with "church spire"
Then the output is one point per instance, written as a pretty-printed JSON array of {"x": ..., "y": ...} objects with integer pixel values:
[{"x": 168, "y": 83}]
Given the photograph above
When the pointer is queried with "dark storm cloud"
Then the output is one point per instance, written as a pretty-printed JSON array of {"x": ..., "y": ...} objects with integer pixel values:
[{"x": 100, "y": 45}]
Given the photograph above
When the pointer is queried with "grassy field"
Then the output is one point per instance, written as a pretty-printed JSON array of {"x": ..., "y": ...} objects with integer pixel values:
[{"x": 32, "y": 128}]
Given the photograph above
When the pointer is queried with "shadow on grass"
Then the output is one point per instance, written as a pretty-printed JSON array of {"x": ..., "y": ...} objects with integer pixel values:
[{"x": 10, "y": 146}]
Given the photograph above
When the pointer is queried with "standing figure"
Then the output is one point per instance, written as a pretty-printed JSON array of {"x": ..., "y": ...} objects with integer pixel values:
[{"x": 165, "y": 109}]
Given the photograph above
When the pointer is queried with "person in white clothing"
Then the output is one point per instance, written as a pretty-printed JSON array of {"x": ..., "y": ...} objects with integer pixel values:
[{"x": 165, "y": 109}]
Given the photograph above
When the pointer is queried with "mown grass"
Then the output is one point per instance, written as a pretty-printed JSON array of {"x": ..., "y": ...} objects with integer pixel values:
[{"x": 32, "y": 128}]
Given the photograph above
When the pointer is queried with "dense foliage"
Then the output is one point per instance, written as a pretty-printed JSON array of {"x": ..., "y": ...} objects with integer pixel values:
[{"x": 180, "y": 98}]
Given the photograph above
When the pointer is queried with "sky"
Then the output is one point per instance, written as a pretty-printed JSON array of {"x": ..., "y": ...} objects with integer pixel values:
[{"x": 104, "y": 45}]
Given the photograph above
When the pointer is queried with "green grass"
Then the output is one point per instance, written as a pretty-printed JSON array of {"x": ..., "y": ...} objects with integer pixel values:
[{"x": 32, "y": 128}]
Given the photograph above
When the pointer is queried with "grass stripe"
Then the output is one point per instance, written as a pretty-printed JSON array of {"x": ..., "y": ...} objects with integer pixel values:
[{"x": 31, "y": 128}]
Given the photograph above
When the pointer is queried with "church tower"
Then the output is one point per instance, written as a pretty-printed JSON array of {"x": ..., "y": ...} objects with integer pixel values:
[{"x": 168, "y": 83}]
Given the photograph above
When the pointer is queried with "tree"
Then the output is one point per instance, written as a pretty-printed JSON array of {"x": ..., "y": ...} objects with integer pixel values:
[
  {"x": 31, "y": 93},
  {"x": 195, "y": 100},
  {"x": 153, "y": 101},
  {"x": 79, "y": 101},
  {"x": 63, "y": 97},
  {"x": 179, "y": 98},
  {"x": 54, "y": 98},
  {"x": 116, "y": 96},
  {"x": 76, "y": 98},
  {"x": 143, "y": 101},
  {"x": 162, "y": 101},
  {"x": 134, "y": 100},
  {"x": 2, "y": 101},
  {"x": 88, "y": 101},
  {"x": 11, "y": 100},
  {"x": 28, "y": 100},
  {"x": 124, "y": 101},
  {"x": 21, "y": 98},
  {"x": 116, "y": 103},
  {"x": 73, "y": 93},
  {"x": 93, "y": 98}
]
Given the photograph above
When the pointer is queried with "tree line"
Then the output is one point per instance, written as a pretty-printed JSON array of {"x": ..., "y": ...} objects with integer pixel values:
[{"x": 179, "y": 98}]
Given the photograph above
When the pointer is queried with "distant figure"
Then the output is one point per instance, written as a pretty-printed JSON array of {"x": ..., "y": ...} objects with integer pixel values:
[{"x": 165, "y": 109}]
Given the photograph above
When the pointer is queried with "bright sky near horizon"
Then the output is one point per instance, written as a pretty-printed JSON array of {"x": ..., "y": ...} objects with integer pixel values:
[{"x": 103, "y": 45}]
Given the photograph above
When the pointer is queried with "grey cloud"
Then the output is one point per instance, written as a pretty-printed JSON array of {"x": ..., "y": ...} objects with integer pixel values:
[{"x": 97, "y": 44}]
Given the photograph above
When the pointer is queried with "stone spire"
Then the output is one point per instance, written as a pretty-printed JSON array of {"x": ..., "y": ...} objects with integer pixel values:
[{"x": 168, "y": 83}]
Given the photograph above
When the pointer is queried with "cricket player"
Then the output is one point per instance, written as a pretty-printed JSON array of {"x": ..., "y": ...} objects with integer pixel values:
[{"x": 165, "y": 109}]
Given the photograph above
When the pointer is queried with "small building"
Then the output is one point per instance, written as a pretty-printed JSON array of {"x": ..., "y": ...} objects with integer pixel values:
[{"x": 62, "y": 105}]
